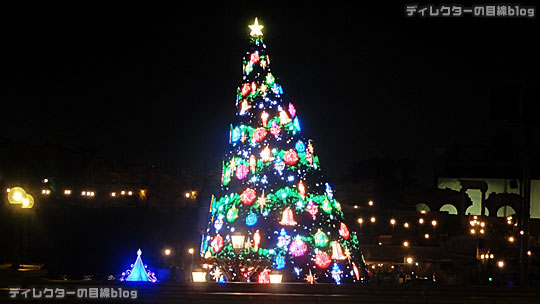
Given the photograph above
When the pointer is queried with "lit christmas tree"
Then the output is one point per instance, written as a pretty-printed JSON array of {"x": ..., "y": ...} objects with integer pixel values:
[{"x": 275, "y": 212}]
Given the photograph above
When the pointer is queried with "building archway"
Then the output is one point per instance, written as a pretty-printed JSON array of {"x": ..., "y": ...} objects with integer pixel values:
[
  {"x": 471, "y": 211},
  {"x": 422, "y": 207},
  {"x": 496, "y": 201},
  {"x": 449, "y": 208},
  {"x": 505, "y": 211}
]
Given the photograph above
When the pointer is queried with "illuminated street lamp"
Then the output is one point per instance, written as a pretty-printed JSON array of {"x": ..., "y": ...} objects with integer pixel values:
[
  {"x": 434, "y": 224},
  {"x": 87, "y": 193},
  {"x": 237, "y": 240},
  {"x": 370, "y": 203},
  {"x": 191, "y": 194},
  {"x": 406, "y": 244},
  {"x": 372, "y": 219},
  {"x": 142, "y": 194},
  {"x": 198, "y": 276},
  {"x": 27, "y": 201},
  {"x": 409, "y": 260},
  {"x": 406, "y": 225},
  {"x": 167, "y": 252},
  {"x": 275, "y": 278},
  {"x": 511, "y": 239},
  {"x": 500, "y": 264},
  {"x": 426, "y": 236},
  {"x": 16, "y": 195},
  {"x": 360, "y": 221},
  {"x": 421, "y": 221},
  {"x": 191, "y": 251}
]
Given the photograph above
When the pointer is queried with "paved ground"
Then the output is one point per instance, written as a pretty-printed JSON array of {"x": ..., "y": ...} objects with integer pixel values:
[{"x": 292, "y": 293}]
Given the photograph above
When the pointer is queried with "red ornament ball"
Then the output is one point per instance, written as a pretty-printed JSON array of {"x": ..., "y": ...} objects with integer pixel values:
[
  {"x": 259, "y": 134},
  {"x": 290, "y": 157},
  {"x": 322, "y": 259},
  {"x": 217, "y": 243},
  {"x": 245, "y": 89},
  {"x": 254, "y": 57},
  {"x": 248, "y": 196}
]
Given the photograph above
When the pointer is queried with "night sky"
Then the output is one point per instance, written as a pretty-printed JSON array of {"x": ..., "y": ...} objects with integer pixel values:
[{"x": 157, "y": 84}]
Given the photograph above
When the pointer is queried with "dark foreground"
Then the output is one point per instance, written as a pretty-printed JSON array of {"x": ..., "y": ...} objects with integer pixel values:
[{"x": 286, "y": 293}]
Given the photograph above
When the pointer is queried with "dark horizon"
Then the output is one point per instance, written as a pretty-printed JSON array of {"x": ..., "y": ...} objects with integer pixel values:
[{"x": 157, "y": 85}]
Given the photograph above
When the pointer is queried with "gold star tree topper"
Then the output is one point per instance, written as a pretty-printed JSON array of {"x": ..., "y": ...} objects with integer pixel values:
[{"x": 256, "y": 29}]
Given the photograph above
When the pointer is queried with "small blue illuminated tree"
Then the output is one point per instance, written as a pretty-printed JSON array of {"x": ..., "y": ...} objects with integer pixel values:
[{"x": 138, "y": 272}]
